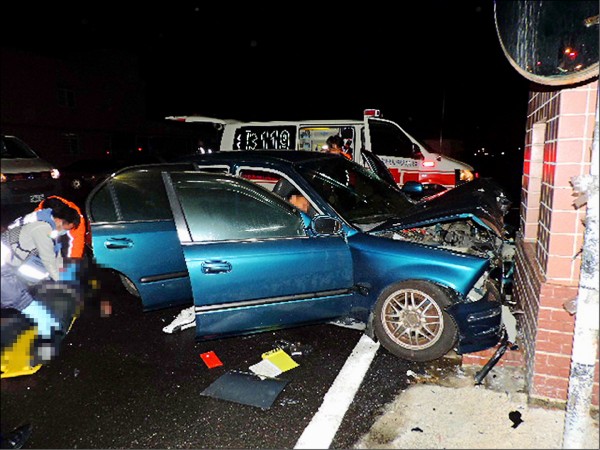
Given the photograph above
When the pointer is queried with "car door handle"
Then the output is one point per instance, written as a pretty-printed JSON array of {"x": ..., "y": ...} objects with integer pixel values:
[
  {"x": 118, "y": 243},
  {"x": 216, "y": 267}
]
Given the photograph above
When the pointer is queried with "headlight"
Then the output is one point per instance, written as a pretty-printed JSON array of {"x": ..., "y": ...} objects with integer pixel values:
[
  {"x": 54, "y": 173},
  {"x": 479, "y": 289},
  {"x": 2, "y": 178}
]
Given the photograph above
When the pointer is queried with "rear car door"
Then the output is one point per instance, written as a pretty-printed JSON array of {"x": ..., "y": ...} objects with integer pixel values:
[
  {"x": 133, "y": 233},
  {"x": 253, "y": 265}
]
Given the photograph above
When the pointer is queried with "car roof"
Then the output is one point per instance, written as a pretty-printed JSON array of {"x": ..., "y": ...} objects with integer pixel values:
[{"x": 287, "y": 156}]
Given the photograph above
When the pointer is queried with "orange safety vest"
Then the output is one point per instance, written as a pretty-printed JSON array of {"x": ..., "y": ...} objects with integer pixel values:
[{"x": 76, "y": 235}]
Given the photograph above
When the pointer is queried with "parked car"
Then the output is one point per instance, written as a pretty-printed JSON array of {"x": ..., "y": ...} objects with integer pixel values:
[
  {"x": 425, "y": 277},
  {"x": 26, "y": 179}
]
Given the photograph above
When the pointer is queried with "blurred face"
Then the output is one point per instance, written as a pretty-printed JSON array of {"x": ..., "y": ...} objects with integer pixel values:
[
  {"x": 63, "y": 226},
  {"x": 300, "y": 202},
  {"x": 333, "y": 148}
]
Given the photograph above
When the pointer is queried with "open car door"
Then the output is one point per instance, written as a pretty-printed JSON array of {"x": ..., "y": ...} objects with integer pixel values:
[{"x": 253, "y": 264}]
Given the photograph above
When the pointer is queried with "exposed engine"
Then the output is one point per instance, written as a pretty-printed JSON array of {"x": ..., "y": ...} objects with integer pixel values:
[
  {"x": 470, "y": 238},
  {"x": 464, "y": 237}
]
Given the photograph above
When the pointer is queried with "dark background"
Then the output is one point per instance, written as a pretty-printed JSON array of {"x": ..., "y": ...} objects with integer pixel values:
[{"x": 434, "y": 67}]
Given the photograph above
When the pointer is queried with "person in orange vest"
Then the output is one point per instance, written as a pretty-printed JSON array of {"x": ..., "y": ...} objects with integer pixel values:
[
  {"x": 75, "y": 245},
  {"x": 335, "y": 144},
  {"x": 75, "y": 238}
]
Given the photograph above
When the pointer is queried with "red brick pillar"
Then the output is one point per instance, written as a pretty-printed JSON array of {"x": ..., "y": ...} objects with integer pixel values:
[{"x": 551, "y": 237}]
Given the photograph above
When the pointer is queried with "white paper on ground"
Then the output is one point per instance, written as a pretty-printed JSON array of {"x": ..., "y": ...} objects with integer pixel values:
[{"x": 265, "y": 369}]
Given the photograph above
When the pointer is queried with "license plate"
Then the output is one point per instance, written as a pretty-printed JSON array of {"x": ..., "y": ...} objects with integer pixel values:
[{"x": 36, "y": 198}]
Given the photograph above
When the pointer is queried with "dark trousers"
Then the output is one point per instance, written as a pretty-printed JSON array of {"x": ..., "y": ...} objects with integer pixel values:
[{"x": 15, "y": 293}]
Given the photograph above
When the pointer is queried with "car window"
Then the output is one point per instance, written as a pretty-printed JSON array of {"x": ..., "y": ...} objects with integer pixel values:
[
  {"x": 102, "y": 208},
  {"x": 131, "y": 196},
  {"x": 355, "y": 192},
  {"x": 388, "y": 140},
  {"x": 216, "y": 210},
  {"x": 315, "y": 137},
  {"x": 265, "y": 179}
]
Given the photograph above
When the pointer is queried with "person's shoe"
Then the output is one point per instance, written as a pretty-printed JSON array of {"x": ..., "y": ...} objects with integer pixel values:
[
  {"x": 17, "y": 437},
  {"x": 185, "y": 319}
]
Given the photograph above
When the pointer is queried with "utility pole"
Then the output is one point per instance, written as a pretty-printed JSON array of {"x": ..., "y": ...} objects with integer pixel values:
[{"x": 585, "y": 339}]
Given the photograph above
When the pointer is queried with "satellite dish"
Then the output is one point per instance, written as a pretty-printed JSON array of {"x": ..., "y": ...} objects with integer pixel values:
[{"x": 552, "y": 42}]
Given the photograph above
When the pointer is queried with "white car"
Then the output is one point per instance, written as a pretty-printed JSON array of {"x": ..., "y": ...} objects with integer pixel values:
[{"x": 26, "y": 179}]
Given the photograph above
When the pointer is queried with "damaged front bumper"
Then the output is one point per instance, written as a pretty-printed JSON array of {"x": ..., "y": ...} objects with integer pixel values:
[{"x": 484, "y": 323}]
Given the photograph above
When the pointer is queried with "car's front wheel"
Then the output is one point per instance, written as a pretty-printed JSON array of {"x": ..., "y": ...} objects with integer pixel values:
[{"x": 410, "y": 321}]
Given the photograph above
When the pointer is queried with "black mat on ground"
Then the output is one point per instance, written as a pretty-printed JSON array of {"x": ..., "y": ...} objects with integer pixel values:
[{"x": 245, "y": 388}]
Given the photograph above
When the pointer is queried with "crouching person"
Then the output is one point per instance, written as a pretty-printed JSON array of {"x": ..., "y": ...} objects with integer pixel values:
[{"x": 36, "y": 312}]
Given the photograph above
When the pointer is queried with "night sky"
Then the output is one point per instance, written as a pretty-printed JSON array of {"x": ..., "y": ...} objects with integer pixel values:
[{"x": 435, "y": 67}]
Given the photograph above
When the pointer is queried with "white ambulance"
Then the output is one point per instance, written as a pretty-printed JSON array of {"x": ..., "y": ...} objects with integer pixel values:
[{"x": 406, "y": 157}]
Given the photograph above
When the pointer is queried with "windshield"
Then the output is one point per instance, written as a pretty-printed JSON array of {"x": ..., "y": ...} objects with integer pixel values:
[{"x": 357, "y": 194}]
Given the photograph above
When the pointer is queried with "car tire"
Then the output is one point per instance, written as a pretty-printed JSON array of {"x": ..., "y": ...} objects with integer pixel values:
[
  {"x": 410, "y": 321},
  {"x": 129, "y": 286}
]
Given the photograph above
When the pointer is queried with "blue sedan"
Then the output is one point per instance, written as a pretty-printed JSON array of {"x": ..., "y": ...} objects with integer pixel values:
[{"x": 220, "y": 230}]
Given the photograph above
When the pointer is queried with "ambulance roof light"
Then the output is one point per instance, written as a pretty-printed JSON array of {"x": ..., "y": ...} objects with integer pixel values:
[{"x": 372, "y": 113}]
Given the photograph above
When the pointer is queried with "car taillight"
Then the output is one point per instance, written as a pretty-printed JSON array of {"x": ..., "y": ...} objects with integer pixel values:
[{"x": 428, "y": 163}]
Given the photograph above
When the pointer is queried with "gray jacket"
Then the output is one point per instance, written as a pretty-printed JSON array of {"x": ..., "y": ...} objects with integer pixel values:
[{"x": 37, "y": 235}]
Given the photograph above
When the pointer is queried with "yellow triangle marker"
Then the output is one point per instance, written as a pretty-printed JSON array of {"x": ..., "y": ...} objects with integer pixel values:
[{"x": 281, "y": 359}]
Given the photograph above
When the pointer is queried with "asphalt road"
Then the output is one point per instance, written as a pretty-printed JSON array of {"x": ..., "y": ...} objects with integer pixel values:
[{"x": 120, "y": 382}]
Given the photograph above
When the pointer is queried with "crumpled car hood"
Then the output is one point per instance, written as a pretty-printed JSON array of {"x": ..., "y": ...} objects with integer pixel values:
[{"x": 481, "y": 200}]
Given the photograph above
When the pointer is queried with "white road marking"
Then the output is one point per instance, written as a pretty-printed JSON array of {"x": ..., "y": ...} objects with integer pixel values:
[{"x": 321, "y": 430}]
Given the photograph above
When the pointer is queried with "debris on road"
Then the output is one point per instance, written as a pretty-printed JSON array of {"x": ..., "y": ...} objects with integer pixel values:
[
  {"x": 294, "y": 348},
  {"x": 245, "y": 388},
  {"x": 274, "y": 362},
  {"x": 211, "y": 359},
  {"x": 348, "y": 322},
  {"x": 281, "y": 359},
  {"x": 185, "y": 319},
  {"x": 265, "y": 369}
]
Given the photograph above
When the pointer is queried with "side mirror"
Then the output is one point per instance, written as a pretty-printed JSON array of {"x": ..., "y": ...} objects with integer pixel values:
[
  {"x": 325, "y": 226},
  {"x": 412, "y": 187}
]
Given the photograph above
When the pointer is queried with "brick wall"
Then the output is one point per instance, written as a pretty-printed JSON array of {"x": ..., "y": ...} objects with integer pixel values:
[{"x": 558, "y": 142}]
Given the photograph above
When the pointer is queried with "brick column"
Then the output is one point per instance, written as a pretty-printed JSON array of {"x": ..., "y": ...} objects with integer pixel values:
[{"x": 550, "y": 238}]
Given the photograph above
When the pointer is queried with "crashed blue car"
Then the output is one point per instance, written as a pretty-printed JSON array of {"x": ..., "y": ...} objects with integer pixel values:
[{"x": 219, "y": 230}]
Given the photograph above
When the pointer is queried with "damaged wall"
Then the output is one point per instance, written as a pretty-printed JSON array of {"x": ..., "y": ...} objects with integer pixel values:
[{"x": 559, "y": 135}]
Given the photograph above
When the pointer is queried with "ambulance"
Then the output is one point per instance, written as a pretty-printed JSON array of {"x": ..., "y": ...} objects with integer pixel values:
[{"x": 408, "y": 159}]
